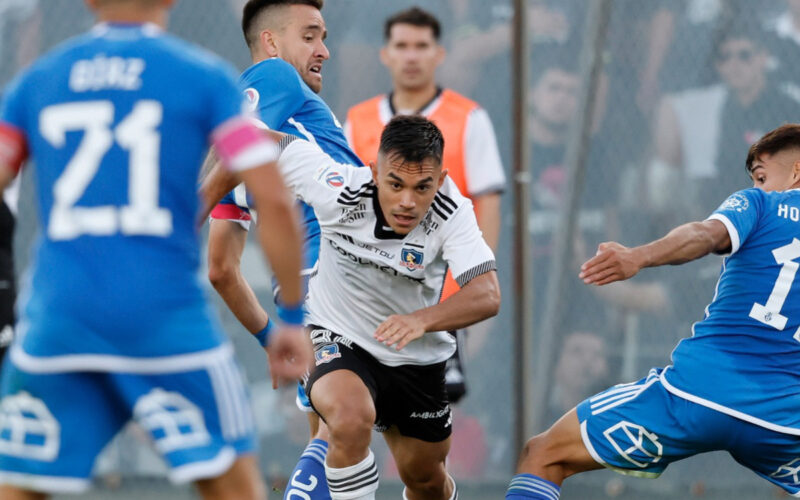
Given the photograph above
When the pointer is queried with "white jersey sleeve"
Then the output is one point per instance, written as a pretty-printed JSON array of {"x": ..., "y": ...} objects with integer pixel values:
[
  {"x": 312, "y": 175},
  {"x": 482, "y": 158},
  {"x": 464, "y": 249}
]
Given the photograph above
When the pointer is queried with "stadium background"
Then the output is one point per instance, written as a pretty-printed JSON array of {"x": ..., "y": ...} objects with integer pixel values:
[{"x": 684, "y": 86}]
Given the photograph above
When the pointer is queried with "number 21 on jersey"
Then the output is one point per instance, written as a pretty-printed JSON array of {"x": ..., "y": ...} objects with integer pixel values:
[
  {"x": 138, "y": 134},
  {"x": 769, "y": 313}
]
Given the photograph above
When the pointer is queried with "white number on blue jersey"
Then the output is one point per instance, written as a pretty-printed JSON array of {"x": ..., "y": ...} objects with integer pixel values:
[
  {"x": 138, "y": 134},
  {"x": 769, "y": 313}
]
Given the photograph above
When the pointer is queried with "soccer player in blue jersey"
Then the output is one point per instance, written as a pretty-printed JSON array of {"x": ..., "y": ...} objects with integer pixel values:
[
  {"x": 733, "y": 385},
  {"x": 286, "y": 41},
  {"x": 114, "y": 323}
]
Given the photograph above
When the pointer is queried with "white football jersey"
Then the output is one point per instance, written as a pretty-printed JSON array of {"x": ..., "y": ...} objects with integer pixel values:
[{"x": 366, "y": 271}]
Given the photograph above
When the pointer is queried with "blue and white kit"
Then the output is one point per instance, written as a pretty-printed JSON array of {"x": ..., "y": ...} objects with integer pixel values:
[
  {"x": 114, "y": 322},
  {"x": 734, "y": 384}
]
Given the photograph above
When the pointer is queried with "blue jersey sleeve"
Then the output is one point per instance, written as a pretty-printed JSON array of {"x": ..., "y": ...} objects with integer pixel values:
[
  {"x": 279, "y": 89},
  {"x": 740, "y": 214}
]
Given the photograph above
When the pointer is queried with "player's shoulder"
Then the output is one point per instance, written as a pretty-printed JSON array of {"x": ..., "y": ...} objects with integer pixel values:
[
  {"x": 273, "y": 73},
  {"x": 448, "y": 201}
]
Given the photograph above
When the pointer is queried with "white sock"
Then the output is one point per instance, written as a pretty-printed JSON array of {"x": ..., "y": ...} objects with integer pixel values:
[
  {"x": 356, "y": 482},
  {"x": 454, "y": 496}
]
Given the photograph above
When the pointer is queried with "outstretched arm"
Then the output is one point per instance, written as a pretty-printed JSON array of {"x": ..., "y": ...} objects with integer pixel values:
[
  {"x": 477, "y": 300},
  {"x": 615, "y": 262}
]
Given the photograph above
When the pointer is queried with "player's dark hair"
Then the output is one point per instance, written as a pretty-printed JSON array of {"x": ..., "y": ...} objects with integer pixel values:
[
  {"x": 253, "y": 8},
  {"x": 415, "y": 17},
  {"x": 413, "y": 138},
  {"x": 782, "y": 138}
]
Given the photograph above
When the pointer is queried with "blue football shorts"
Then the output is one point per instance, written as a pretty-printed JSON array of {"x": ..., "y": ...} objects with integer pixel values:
[
  {"x": 641, "y": 428},
  {"x": 195, "y": 407}
]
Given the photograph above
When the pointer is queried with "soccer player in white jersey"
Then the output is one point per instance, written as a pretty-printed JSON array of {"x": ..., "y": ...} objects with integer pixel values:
[
  {"x": 114, "y": 323},
  {"x": 389, "y": 234},
  {"x": 734, "y": 385}
]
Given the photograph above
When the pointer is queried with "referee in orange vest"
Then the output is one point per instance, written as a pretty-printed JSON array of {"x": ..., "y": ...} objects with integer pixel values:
[{"x": 412, "y": 53}]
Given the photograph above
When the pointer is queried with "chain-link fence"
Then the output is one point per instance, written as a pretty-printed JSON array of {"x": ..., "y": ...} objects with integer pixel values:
[{"x": 686, "y": 86}]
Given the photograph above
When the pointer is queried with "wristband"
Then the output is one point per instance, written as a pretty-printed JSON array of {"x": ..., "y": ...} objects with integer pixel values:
[
  {"x": 264, "y": 334},
  {"x": 291, "y": 315}
]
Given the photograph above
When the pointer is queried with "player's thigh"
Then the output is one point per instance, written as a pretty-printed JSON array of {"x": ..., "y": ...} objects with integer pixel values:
[
  {"x": 772, "y": 455},
  {"x": 640, "y": 428},
  {"x": 341, "y": 383},
  {"x": 241, "y": 481},
  {"x": 52, "y": 427},
  {"x": 226, "y": 242},
  {"x": 199, "y": 418},
  {"x": 417, "y": 460}
]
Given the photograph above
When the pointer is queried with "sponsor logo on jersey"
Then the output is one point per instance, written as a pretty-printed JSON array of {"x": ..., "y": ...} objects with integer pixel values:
[
  {"x": 327, "y": 353},
  {"x": 252, "y": 97},
  {"x": 736, "y": 202},
  {"x": 411, "y": 259},
  {"x": 334, "y": 179},
  {"x": 634, "y": 443}
]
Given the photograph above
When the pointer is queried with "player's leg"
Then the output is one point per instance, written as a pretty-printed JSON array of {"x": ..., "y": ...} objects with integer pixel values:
[
  {"x": 241, "y": 481},
  {"x": 308, "y": 477},
  {"x": 421, "y": 465},
  {"x": 549, "y": 458},
  {"x": 342, "y": 389}
]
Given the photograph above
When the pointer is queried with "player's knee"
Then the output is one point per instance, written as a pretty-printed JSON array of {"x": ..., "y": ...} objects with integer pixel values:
[
  {"x": 241, "y": 481},
  {"x": 221, "y": 271},
  {"x": 536, "y": 454},
  {"x": 425, "y": 482},
  {"x": 350, "y": 423}
]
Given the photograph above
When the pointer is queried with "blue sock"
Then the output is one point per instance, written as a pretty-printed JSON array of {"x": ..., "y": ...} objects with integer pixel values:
[
  {"x": 308, "y": 477},
  {"x": 528, "y": 486}
]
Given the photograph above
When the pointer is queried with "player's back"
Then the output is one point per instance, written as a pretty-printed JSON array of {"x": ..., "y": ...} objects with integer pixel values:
[
  {"x": 744, "y": 354},
  {"x": 117, "y": 122}
]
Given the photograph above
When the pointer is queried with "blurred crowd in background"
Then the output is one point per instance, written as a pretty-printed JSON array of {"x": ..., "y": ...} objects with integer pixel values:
[{"x": 686, "y": 87}]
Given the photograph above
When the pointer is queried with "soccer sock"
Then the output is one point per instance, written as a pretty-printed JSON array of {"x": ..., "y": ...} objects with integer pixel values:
[
  {"x": 308, "y": 477},
  {"x": 453, "y": 496},
  {"x": 356, "y": 482},
  {"x": 528, "y": 486}
]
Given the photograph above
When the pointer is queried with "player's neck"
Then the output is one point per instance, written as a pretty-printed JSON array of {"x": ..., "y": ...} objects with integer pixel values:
[
  {"x": 404, "y": 99},
  {"x": 131, "y": 13}
]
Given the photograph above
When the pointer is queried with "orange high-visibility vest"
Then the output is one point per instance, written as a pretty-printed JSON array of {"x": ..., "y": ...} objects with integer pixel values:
[{"x": 450, "y": 116}]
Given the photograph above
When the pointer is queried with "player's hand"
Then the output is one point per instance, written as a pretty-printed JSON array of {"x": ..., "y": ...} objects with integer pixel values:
[
  {"x": 399, "y": 329},
  {"x": 290, "y": 354},
  {"x": 612, "y": 262}
]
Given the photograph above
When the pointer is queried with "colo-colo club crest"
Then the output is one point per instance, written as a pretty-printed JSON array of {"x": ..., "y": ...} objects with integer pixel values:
[{"x": 411, "y": 259}]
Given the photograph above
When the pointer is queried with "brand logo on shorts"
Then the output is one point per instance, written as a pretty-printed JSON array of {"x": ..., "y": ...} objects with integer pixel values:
[
  {"x": 173, "y": 421},
  {"x": 27, "y": 428},
  {"x": 327, "y": 353},
  {"x": 789, "y": 472},
  {"x": 252, "y": 97},
  {"x": 411, "y": 259},
  {"x": 334, "y": 179},
  {"x": 635, "y": 444},
  {"x": 428, "y": 415}
]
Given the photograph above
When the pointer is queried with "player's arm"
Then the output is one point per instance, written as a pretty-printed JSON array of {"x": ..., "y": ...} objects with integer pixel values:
[
  {"x": 13, "y": 153},
  {"x": 485, "y": 177},
  {"x": 615, "y": 262},
  {"x": 487, "y": 209}
]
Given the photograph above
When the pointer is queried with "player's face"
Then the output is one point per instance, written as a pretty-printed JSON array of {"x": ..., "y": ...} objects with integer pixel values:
[
  {"x": 555, "y": 99},
  {"x": 412, "y": 55},
  {"x": 742, "y": 64},
  {"x": 405, "y": 190},
  {"x": 777, "y": 172},
  {"x": 302, "y": 44}
]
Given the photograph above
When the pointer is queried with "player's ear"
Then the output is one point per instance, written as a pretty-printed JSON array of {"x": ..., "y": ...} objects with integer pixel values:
[
  {"x": 268, "y": 43},
  {"x": 384, "y": 56},
  {"x": 374, "y": 169},
  {"x": 441, "y": 53},
  {"x": 442, "y": 177}
]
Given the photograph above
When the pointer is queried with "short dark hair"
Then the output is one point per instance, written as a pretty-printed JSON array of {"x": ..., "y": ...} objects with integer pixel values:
[
  {"x": 782, "y": 138},
  {"x": 414, "y": 16},
  {"x": 253, "y": 8},
  {"x": 413, "y": 138}
]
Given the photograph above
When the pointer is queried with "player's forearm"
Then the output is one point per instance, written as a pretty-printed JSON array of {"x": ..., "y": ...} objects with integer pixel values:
[
  {"x": 219, "y": 182},
  {"x": 683, "y": 244},
  {"x": 243, "y": 303},
  {"x": 476, "y": 301}
]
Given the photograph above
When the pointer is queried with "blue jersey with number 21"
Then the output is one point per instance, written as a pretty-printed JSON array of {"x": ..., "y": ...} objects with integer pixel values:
[
  {"x": 744, "y": 356},
  {"x": 118, "y": 121}
]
